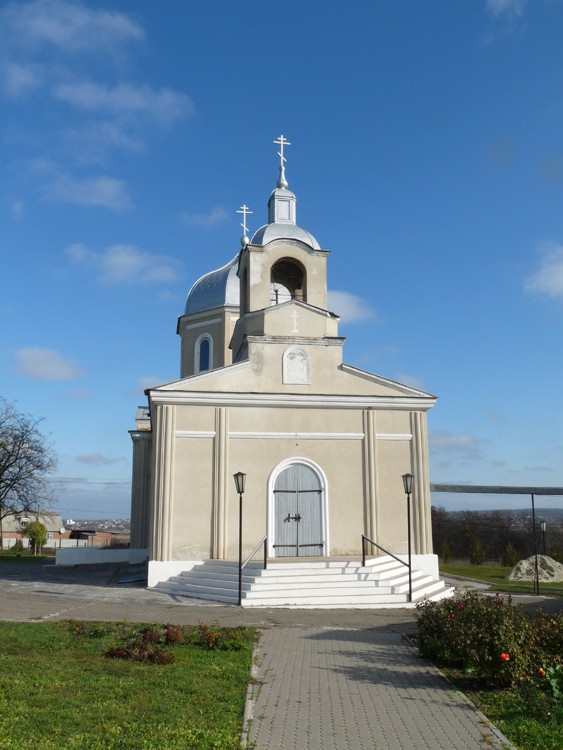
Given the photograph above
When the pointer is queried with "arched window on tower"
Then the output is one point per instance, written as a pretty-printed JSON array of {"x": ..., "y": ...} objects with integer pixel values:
[
  {"x": 287, "y": 281},
  {"x": 203, "y": 353}
]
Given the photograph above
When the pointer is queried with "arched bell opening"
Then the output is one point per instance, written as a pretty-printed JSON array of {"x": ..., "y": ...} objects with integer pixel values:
[{"x": 287, "y": 281}]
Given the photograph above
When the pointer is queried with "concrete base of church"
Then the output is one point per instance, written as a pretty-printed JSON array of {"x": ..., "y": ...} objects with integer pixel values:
[
  {"x": 160, "y": 571},
  {"x": 424, "y": 563}
]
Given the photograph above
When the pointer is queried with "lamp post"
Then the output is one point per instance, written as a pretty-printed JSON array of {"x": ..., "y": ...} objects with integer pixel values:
[
  {"x": 543, "y": 526},
  {"x": 240, "y": 482},
  {"x": 537, "y": 576},
  {"x": 407, "y": 484}
]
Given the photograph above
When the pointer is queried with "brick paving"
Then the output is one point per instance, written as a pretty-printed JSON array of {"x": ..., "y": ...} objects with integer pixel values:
[{"x": 350, "y": 689}]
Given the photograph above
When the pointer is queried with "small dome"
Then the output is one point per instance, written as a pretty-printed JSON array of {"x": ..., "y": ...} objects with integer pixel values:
[
  {"x": 218, "y": 288},
  {"x": 270, "y": 232}
]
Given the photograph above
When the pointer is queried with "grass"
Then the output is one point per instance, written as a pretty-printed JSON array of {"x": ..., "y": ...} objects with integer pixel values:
[
  {"x": 59, "y": 690},
  {"x": 496, "y": 576},
  {"x": 528, "y": 717},
  {"x": 8, "y": 556}
]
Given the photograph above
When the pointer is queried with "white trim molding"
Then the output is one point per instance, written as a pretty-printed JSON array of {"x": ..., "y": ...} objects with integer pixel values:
[
  {"x": 197, "y": 352},
  {"x": 203, "y": 323},
  {"x": 296, "y": 435}
]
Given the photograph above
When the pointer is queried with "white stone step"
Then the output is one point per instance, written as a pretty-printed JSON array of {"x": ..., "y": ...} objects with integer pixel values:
[
  {"x": 321, "y": 602},
  {"x": 195, "y": 592},
  {"x": 383, "y": 582}
]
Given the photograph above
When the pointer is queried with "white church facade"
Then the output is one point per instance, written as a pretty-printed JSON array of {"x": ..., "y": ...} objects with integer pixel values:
[{"x": 263, "y": 389}]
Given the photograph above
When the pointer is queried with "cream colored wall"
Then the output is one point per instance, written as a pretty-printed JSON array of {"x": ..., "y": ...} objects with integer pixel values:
[
  {"x": 192, "y": 513},
  {"x": 252, "y": 446},
  {"x": 221, "y": 331},
  {"x": 263, "y": 374}
]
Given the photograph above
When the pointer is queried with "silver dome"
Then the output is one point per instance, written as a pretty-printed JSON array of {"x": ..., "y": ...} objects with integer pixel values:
[
  {"x": 218, "y": 288},
  {"x": 270, "y": 232}
]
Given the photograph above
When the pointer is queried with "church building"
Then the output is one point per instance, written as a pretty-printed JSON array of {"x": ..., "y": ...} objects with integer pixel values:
[{"x": 263, "y": 390}]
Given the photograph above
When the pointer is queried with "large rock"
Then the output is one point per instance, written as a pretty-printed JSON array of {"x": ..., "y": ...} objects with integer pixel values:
[{"x": 548, "y": 570}]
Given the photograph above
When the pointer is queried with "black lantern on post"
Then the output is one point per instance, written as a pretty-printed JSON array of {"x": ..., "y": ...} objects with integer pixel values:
[
  {"x": 408, "y": 485},
  {"x": 240, "y": 483}
]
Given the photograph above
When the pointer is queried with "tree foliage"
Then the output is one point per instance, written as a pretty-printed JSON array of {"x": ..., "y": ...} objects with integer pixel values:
[
  {"x": 36, "y": 532},
  {"x": 477, "y": 554},
  {"x": 26, "y": 458},
  {"x": 506, "y": 536}
]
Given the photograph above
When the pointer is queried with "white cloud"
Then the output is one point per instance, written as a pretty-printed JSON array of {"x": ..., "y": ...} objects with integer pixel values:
[
  {"x": 45, "y": 364},
  {"x": 462, "y": 446},
  {"x": 350, "y": 308},
  {"x": 19, "y": 79},
  {"x": 78, "y": 394},
  {"x": 411, "y": 380},
  {"x": 125, "y": 264},
  {"x": 96, "y": 459},
  {"x": 512, "y": 8},
  {"x": 106, "y": 192},
  {"x": 68, "y": 55},
  {"x": 68, "y": 26},
  {"x": 16, "y": 209},
  {"x": 548, "y": 279},
  {"x": 216, "y": 215},
  {"x": 163, "y": 105}
]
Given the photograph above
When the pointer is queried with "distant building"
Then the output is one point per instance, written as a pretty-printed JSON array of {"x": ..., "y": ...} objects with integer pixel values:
[{"x": 13, "y": 527}]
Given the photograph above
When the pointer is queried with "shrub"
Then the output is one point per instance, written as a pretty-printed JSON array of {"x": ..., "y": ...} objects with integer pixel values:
[
  {"x": 142, "y": 651},
  {"x": 446, "y": 553},
  {"x": 510, "y": 556},
  {"x": 548, "y": 639},
  {"x": 477, "y": 633},
  {"x": 17, "y": 548},
  {"x": 554, "y": 677},
  {"x": 477, "y": 554}
]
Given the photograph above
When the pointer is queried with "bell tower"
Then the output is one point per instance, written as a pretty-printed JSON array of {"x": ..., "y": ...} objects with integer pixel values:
[{"x": 282, "y": 264}]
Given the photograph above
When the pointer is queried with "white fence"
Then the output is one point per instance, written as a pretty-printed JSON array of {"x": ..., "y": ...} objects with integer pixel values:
[{"x": 96, "y": 555}]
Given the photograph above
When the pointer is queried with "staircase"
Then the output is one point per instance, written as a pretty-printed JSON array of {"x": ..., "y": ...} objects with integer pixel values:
[{"x": 381, "y": 583}]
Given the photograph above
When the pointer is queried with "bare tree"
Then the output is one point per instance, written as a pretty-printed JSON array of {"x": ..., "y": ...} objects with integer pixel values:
[{"x": 26, "y": 458}]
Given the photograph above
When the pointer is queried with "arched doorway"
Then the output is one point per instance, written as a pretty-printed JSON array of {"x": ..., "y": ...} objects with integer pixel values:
[{"x": 297, "y": 517}]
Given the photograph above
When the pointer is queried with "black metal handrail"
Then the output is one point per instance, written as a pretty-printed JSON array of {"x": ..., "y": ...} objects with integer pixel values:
[
  {"x": 262, "y": 542},
  {"x": 398, "y": 559},
  {"x": 242, "y": 565}
]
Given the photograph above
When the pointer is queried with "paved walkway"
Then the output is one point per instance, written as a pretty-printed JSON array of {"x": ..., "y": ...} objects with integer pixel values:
[
  {"x": 344, "y": 689},
  {"x": 324, "y": 679}
]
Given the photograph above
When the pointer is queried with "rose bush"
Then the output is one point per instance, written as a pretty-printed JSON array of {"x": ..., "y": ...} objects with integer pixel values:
[{"x": 489, "y": 636}]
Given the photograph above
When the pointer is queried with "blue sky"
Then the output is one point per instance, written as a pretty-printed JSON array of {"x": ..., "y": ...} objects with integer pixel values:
[{"x": 427, "y": 155}]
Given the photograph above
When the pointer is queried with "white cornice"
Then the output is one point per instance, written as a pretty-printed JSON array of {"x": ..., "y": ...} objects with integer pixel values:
[
  {"x": 292, "y": 400},
  {"x": 203, "y": 323},
  {"x": 372, "y": 377},
  {"x": 292, "y": 435}
]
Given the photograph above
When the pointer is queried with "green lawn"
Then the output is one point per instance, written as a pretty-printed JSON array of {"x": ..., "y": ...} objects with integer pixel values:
[
  {"x": 496, "y": 576},
  {"x": 58, "y": 690},
  {"x": 531, "y": 719},
  {"x": 7, "y": 556}
]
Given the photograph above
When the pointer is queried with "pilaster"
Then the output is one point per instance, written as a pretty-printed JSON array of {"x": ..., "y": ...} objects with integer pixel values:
[
  {"x": 370, "y": 474},
  {"x": 421, "y": 520},
  {"x": 220, "y": 494},
  {"x": 163, "y": 472},
  {"x": 140, "y": 489}
]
